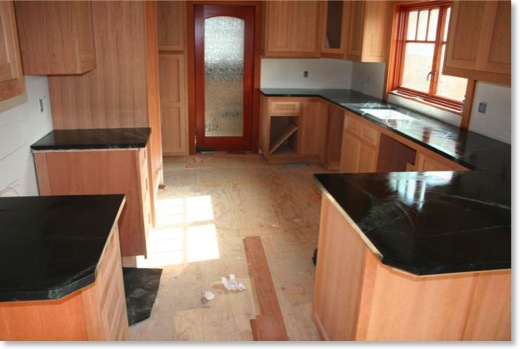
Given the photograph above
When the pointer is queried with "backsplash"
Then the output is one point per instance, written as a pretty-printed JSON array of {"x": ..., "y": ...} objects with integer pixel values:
[{"x": 22, "y": 123}]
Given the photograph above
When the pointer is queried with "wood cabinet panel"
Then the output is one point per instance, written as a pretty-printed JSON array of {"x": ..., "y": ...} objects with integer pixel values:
[
  {"x": 291, "y": 29},
  {"x": 174, "y": 116},
  {"x": 431, "y": 162},
  {"x": 479, "y": 41},
  {"x": 101, "y": 172},
  {"x": 334, "y": 137},
  {"x": 313, "y": 129},
  {"x": 11, "y": 78},
  {"x": 56, "y": 37},
  {"x": 368, "y": 31},
  {"x": 334, "y": 28},
  {"x": 96, "y": 312},
  {"x": 171, "y": 25}
]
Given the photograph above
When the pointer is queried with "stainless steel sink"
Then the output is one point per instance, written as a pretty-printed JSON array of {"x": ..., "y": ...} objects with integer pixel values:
[{"x": 387, "y": 114}]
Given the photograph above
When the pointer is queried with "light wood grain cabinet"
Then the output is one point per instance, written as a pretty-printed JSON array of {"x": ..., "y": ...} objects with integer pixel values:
[
  {"x": 479, "y": 41},
  {"x": 174, "y": 115},
  {"x": 334, "y": 28},
  {"x": 368, "y": 30},
  {"x": 171, "y": 25},
  {"x": 118, "y": 171},
  {"x": 292, "y": 129},
  {"x": 360, "y": 145},
  {"x": 96, "y": 312},
  {"x": 56, "y": 37},
  {"x": 291, "y": 29},
  {"x": 433, "y": 162},
  {"x": 11, "y": 77}
]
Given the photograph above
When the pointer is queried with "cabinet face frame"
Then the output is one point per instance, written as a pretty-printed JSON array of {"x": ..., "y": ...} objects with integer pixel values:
[
  {"x": 334, "y": 52},
  {"x": 11, "y": 78}
]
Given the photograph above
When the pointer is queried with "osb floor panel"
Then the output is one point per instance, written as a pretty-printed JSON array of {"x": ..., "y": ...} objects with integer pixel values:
[{"x": 210, "y": 203}]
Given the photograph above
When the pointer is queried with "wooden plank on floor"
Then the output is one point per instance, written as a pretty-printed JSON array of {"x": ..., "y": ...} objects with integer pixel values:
[{"x": 268, "y": 325}]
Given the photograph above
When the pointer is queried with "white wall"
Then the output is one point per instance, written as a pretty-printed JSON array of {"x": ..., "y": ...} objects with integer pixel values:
[
  {"x": 21, "y": 124},
  {"x": 369, "y": 78},
  {"x": 323, "y": 73}
]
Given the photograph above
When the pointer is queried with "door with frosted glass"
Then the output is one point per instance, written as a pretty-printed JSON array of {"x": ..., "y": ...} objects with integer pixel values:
[{"x": 224, "y": 57}]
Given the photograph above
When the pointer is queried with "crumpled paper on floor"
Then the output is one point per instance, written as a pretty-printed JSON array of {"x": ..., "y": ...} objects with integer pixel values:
[{"x": 232, "y": 284}]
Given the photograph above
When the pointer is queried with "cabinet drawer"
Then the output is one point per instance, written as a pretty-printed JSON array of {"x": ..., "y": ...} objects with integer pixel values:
[
  {"x": 370, "y": 134},
  {"x": 285, "y": 108},
  {"x": 352, "y": 124}
]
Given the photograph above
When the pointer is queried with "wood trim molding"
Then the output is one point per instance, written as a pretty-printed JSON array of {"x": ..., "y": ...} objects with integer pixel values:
[{"x": 468, "y": 104}]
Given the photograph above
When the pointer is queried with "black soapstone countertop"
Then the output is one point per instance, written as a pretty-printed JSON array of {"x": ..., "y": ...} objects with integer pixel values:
[
  {"x": 470, "y": 149},
  {"x": 427, "y": 222},
  {"x": 430, "y": 222},
  {"x": 105, "y": 138},
  {"x": 50, "y": 245}
]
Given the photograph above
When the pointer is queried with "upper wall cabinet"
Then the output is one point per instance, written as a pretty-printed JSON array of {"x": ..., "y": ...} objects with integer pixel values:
[
  {"x": 291, "y": 29},
  {"x": 56, "y": 37},
  {"x": 11, "y": 78},
  {"x": 479, "y": 41},
  {"x": 369, "y": 30},
  {"x": 171, "y": 25},
  {"x": 334, "y": 28}
]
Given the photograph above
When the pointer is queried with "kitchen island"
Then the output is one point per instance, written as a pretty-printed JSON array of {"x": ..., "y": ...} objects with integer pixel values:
[
  {"x": 102, "y": 161},
  {"x": 414, "y": 256},
  {"x": 60, "y": 268}
]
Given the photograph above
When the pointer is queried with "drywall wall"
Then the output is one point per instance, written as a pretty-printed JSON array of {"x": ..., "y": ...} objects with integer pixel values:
[
  {"x": 21, "y": 124},
  {"x": 369, "y": 78},
  {"x": 322, "y": 73}
]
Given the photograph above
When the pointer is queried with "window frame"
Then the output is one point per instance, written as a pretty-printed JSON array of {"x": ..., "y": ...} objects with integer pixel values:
[{"x": 398, "y": 52}]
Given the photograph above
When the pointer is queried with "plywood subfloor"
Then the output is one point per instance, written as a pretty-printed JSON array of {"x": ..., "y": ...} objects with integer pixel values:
[{"x": 210, "y": 203}]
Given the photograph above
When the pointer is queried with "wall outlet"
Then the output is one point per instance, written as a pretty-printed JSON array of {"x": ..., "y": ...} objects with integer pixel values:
[
  {"x": 482, "y": 107},
  {"x": 305, "y": 74},
  {"x": 40, "y": 102}
]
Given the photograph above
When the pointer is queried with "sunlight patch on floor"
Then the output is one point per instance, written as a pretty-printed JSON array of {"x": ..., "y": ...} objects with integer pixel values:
[{"x": 185, "y": 233}]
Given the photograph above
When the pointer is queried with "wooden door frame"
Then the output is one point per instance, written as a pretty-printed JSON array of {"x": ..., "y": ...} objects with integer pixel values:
[{"x": 255, "y": 116}]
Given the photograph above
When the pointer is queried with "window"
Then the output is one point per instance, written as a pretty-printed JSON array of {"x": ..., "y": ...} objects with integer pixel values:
[{"x": 422, "y": 30}]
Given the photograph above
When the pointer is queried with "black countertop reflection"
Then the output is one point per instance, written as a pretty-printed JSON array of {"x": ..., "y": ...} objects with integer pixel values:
[
  {"x": 50, "y": 245},
  {"x": 106, "y": 138},
  {"x": 430, "y": 222},
  {"x": 469, "y": 149}
]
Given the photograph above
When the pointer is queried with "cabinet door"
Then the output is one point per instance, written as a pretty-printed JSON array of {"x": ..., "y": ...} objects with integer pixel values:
[
  {"x": 11, "y": 79},
  {"x": 171, "y": 25},
  {"x": 368, "y": 31},
  {"x": 291, "y": 29},
  {"x": 334, "y": 29},
  {"x": 430, "y": 163},
  {"x": 174, "y": 123},
  {"x": 56, "y": 37},
  {"x": 313, "y": 129},
  {"x": 350, "y": 153},
  {"x": 479, "y": 41}
]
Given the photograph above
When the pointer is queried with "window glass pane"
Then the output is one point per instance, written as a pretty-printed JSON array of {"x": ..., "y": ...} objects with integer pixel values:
[
  {"x": 450, "y": 86},
  {"x": 446, "y": 25},
  {"x": 224, "y": 76},
  {"x": 432, "y": 25},
  {"x": 417, "y": 65},
  {"x": 412, "y": 25},
  {"x": 423, "y": 22}
]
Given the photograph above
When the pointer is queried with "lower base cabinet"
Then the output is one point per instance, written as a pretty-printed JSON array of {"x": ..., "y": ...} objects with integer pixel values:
[
  {"x": 356, "y": 297},
  {"x": 95, "y": 313}
]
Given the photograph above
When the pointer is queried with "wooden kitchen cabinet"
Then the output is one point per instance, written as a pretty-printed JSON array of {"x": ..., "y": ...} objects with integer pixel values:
[
  {"x": 99, "y": 171},
  {"x": 174, "y": 115},
  {"x": 292, "y": 129},
  {"x": 360, "y": 145},
  {"x": 434, "y": 162},
  {"x": 479, "y": 41},
  {"x": 11, "y": 77},
  {"x": 334, "y": 28},
  {"x": 171, "y": 25},
  {"x": 56, "y": 37},
  {"x": 291, "y": 29},
  {"x": 368, "y": 28}
]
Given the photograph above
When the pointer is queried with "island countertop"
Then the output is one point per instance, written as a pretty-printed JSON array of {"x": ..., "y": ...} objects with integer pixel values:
[
  {"x": 106, "y": 138},
  {"x": 429, "y": 222},
  {"x": 50, "y": 246}
]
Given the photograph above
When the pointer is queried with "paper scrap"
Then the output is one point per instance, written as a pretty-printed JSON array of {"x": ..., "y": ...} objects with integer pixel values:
[{"x": 231, "y": 284}]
